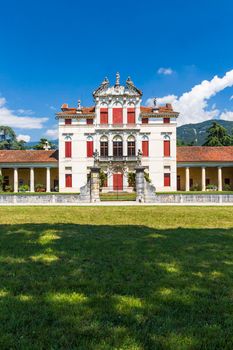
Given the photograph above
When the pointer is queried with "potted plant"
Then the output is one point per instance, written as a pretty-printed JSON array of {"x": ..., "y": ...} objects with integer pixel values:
[
  {"x": 211, "y": 187},
  {"x": 24, "y": 188},
  {"x": 8, "y": 188},
  {"x": 40, "y": 188}
]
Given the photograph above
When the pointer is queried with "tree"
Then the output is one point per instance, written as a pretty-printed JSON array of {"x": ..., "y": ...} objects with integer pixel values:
[
  {"x": 217, "y": 136},
  {"x": 43, "y": 143},
  {"x": 8, "y": 139}
]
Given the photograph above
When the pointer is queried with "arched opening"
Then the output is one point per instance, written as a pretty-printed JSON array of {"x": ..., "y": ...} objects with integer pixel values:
[
  {"x": 104, "y": 146},
  {"x": 131, "y": 145}
]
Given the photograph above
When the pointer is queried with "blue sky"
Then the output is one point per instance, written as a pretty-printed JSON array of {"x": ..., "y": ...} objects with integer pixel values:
[{"x": 59, "y": 51}]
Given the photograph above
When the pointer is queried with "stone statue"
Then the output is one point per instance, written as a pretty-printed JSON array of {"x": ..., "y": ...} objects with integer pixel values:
[
  {"x": 96, "y": 157},
  {"x": 139, "y": 157}
]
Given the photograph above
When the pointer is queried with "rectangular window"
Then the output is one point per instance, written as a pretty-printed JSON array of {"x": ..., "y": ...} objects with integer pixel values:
[
  {"x": 89, "y": 149},
  {"x": 207, "y": 182},
  {"x": 166, "y": 148},
  {"x": 68, "y": 121},
  {"x": 227, "y": 181},
  {"x": 131, "y": 148},
  {"x": 144, "y": 120},
  {"x": 68, "y": 180},
  {"x": 104, "y": 116},
  {"x": 167, "y": 179},
  {"x": 104, "y": 148},
  {"x": 89, "y": 121},
  {"x": 145, "y": 148},
  {"x": 117, "y": 148},
  {"x": 166, "y": 120},
  {"x": 68, "y": 149},
  {"x": 117, "y": 116},
  {"x": 131, "y": 116}
]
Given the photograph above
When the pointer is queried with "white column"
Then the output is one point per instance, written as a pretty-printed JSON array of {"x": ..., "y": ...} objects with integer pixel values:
[
  {"x": 110, "y": 145},
  {"x": 124, "y": 115},
  {"x": 187, "y": 179},
  {"x": 0, "y": 171},
  {"x": 110, "y": 115},
  {"x": 15, "y": 179},
  {"x": 203, "y": 176},
  {"x": 125, "y": 179},
  {"x": 125, "y": 148},
  {"x": 219, "y": 178},
  {"x": 48, "y": 188},
  {"x": 32, "y": 186}
]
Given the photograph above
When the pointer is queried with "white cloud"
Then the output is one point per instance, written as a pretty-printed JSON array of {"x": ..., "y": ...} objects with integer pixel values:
[
  {"x": 25, "y": 111},
  {"x": 227, "y": 115},
  {"x": 165, "y": 71},
  {"x": 10, "y": 118},
  {"x": 231, "y": 98},
  {"x": 193, "y": 105},
  {"x": 53, "y": 108},
  {"x": 162, "y": 100},
  {"x": 52, "y": 133},
  {"x": 25, "y": 138}
]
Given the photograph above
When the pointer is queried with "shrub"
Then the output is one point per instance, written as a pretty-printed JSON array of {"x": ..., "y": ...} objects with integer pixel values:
[
  {"x": 195, "y": 187},
  {"x": 212, "y": 187},
  {"x": 1, "y": 182},
  {"x": 24, "y": 188},
  {"x": 8, "y": 188},
  {"x": 226, "y": 187},
  {"x": 40, "y": 188},
  {"x": 132, "y": 179},
  {"x": 147, "y": 177}
]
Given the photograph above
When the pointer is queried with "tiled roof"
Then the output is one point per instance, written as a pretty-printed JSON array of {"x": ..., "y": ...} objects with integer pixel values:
[
  {"x": 204, "y": 154},
  {"x": 167, "y": 109},
  {"x": 28, "y": 156},
  {"x": 66, "y": 111}
]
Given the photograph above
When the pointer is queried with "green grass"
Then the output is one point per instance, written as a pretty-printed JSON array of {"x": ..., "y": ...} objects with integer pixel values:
[
  {"x": 101, "y": 278},
  {"x": 120, "y": 196}
]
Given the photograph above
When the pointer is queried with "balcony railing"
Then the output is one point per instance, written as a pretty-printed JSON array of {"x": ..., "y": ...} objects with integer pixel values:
[{"x": 118, "y": 159}]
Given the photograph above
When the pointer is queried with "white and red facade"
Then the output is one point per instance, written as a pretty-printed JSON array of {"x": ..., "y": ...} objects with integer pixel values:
[{"x": 119, "y": 128}]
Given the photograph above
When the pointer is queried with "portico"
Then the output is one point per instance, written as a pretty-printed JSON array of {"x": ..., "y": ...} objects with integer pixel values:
[{"x": 39, "y": 174}]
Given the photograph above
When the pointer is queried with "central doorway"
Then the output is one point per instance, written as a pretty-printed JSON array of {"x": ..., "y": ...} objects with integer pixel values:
[{"x": 118, "y": 182}]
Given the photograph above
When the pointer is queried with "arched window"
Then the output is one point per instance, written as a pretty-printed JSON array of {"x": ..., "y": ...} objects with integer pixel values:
[
  {"x": 104, "y": 146},
  {"x": 90, "y": 147},
  {"x": 166, "y": 146},
  {"x": 117, "y": 146},
  {"x": 131, "y": 146}
]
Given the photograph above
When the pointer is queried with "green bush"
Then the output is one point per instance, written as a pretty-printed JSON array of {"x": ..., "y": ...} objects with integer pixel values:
[
  {"x": 226, "y": 187},
  {"x": 1, "y": 183},
  {"x": 40, "y": 188},
  {"x": 24, "y": 188},
  {"x": 212, "y": 187},
  {"x": 132, "y": 179},
  {"x": 8, "y": 188}
]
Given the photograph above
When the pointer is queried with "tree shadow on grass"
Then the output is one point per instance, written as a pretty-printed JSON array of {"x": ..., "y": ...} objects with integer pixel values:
[{"x": 69, "y": 286}]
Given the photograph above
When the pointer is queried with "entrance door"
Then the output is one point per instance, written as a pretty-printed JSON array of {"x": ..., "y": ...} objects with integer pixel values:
[{"x": 117, "y": 182}]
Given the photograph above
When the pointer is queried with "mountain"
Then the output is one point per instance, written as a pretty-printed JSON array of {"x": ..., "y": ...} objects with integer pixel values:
[
  {"x": 196, "y": 133},
  {"x": 30, "y": 145}
]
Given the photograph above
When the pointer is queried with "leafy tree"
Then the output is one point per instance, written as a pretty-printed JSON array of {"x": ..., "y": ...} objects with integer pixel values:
[
  {"x": 43, "y": 143},
  {"x": 8, "y": 139},
  {"x": 217, "y": 136}
]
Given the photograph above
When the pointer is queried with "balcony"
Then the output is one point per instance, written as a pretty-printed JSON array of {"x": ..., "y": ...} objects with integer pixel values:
[
  {"x": 117, "y": 126},
  {"x": 118, "y": 159}
]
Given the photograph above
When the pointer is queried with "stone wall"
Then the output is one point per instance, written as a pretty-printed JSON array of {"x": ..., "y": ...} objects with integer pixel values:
[
  {"x": 40, "y": 199},
  {"x": 194, "y": 198}
]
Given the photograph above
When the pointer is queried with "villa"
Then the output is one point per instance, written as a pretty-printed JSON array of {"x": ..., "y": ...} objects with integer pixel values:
[{"x": 119, "y": 131}]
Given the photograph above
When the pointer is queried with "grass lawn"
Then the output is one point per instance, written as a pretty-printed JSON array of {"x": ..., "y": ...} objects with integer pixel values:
[
  {"x": 121, "y": 196},
  {"x": 101, "y": 278}
]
